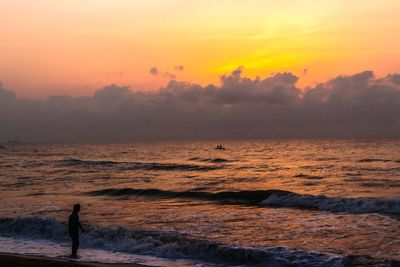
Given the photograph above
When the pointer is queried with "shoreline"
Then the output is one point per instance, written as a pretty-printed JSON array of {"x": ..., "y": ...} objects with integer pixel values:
[{"x": 10, "y": 259}]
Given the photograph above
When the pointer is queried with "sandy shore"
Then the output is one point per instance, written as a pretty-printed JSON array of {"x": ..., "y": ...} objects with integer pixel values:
[{"x": 17, "y": 260}]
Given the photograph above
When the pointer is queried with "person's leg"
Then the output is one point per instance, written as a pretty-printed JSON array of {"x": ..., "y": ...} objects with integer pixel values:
[
  {"x": 75, "y": 245},
  {"x": 72, "y": 246}
]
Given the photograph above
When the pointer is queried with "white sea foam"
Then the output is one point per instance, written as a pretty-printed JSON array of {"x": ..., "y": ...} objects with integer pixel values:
[
  {"x": 335, "y": 204},
  {"x": 277, "y": 198},
  {"x": 54, "y": 249},
  {"x": 166, "y": 245}
]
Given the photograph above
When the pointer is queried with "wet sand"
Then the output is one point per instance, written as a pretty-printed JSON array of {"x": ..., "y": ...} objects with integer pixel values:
[{"x": 17, "y": 260}]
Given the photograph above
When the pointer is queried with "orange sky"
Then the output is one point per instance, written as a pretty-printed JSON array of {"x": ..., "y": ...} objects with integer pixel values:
[{"x": 74, "y": 47}]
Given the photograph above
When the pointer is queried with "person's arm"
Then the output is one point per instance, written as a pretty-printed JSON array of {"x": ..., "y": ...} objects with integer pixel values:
[{"x": 80, "y": 226}]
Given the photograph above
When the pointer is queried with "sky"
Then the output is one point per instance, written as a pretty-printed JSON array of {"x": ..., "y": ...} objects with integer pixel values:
[
  {"x": 75, "y": 71},
  {"x": 74, "y": 47}
]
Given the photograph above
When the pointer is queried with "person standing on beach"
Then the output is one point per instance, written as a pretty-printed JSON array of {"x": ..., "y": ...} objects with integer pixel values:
[{"x": 73, "y": 229}]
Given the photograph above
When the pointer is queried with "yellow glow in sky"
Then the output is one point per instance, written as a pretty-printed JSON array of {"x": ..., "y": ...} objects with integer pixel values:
[{"x": 74, "y": 47}]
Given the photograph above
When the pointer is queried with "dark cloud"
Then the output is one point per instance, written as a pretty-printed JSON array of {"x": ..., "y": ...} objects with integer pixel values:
[
  {"x": 167, "y": 74},
  {"x": 179, "y": 68},
  {"x": 6, "y": 95},
  {"x": 154, "y": 71},
  {"x": 359, "y": 105}
]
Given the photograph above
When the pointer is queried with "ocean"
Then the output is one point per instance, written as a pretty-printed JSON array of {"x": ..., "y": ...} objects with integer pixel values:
[{"x": 254, "y": 203}]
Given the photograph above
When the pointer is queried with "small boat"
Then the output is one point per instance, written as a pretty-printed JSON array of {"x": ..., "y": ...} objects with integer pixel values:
[{"x": 220, "y": 147}]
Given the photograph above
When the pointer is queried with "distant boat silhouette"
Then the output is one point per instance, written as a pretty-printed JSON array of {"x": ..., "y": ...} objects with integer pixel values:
[{"x": 220, "y": 147}]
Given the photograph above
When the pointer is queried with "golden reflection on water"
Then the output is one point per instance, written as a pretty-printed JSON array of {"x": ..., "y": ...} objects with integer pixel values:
[{"x": 37, "y": 181}]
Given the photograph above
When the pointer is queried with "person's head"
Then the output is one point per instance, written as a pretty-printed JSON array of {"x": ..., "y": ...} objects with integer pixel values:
[{"x": 77, "y": 208}]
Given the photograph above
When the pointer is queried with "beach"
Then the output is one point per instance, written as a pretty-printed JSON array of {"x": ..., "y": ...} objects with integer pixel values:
[{"x": 17, "y": 260}]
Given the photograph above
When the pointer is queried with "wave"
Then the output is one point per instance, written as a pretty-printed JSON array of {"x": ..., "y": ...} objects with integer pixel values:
[
  {"x": 274, "y": 198},
  {"x": 170, "y": 245},
  {"x": 251, "y": 197},
  {"x": 212, "y": 160},
  {"x": 374, "y": 160},
  {"x": 335, "y": 204},
  {"x": 326, "y": 159},
  {"x": 137, "y": 165},
  {"x": 311, "y": 177},
  {"x": 216, "y": 160}
]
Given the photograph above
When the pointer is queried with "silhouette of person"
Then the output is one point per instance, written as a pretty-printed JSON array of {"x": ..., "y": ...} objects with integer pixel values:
[{"x": 73, "y": 229}]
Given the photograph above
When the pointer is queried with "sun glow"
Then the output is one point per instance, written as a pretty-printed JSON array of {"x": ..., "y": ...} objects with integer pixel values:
[{"x": 75, "y": 47}]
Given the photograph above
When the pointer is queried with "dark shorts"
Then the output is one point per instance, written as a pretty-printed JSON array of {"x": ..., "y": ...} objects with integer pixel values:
[{"x": 74, "y": 236}]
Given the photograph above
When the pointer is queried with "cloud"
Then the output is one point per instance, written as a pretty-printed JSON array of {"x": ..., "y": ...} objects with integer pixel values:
[
  {"x": 179, "y": 68},
  {"x": 154, "y": 71},
  {"x": 354, "y": 106},
  {"x": 168, "y": 75},
  {"x": 6, "y": 95}
]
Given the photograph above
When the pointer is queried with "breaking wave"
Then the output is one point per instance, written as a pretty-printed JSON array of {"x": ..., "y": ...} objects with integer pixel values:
[
  {"x": 239, "y": 197},
  {"x": 170, "y": 245},
  {"x": 137, "y": 165},
  {"x": 275, "y": 198},
  {"x": 335, "y": 204}
]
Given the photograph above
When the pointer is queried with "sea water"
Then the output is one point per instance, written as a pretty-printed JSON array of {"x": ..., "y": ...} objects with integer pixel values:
[{"x": 266, "y": 203}]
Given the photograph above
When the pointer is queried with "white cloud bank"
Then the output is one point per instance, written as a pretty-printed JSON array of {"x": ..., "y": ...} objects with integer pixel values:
[{"x": 360, "y": 106}]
